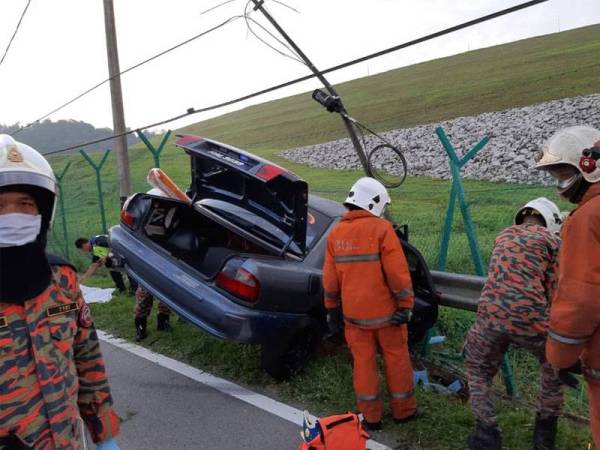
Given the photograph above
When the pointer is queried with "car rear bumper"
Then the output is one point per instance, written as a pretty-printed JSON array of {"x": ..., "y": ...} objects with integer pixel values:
[{"x": 195, "y": 299}]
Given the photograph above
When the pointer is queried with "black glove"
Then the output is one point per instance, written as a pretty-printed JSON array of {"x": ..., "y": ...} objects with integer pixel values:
[
  {"x": 335, "y": 320},
  {"x": 567, "y": 377},
  {"x": 401, "y": 316}
]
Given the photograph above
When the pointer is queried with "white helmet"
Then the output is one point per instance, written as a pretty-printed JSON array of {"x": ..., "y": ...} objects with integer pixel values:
[
  {"x": 547, "y": 211},
  {"x": 571, "y": 155},
  {"x": 369, "y": 194},
  {"x": 21, "y": 165}
]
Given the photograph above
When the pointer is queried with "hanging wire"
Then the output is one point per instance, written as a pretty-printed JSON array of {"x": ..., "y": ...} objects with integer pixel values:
[
  {"x": 129, "y": 69},
  {"x": 395, "y": 48},
  {"x": 15, "y": 32},
  {"x": 294, "y": 56}
]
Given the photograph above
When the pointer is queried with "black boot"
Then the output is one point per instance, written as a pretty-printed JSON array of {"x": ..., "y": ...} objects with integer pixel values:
[
  {"x": 140, "y": 328},
  {"x": 485, "y": 437},
  {"x": 162, "y": 322},
  {"x": 544, "y": 432}
]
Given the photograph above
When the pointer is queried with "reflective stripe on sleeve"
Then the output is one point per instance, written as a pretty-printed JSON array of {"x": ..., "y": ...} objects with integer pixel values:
[
  {"x": 402, "y": 395},
  {"x": 368, "y": 322},
  {"x": 404, "y": 293},
  {"x": 566, "y": 340},
  {"x": 357, "y": 258},
  {"x": 366, "y": 398}
]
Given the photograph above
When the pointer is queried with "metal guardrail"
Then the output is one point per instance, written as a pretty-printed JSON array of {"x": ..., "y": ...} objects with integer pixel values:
[{"x": 458, "y": 290}]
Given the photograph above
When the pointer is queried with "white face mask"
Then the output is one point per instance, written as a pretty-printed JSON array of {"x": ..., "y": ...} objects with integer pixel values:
[{"x": 19, "y": 229}]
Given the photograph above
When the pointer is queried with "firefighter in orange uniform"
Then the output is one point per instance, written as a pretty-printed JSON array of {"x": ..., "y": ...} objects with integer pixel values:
[
  {"x": 572, "y": 156},
  {"x": 366, "y": 273},
  {"x": 51, "y": 368}
]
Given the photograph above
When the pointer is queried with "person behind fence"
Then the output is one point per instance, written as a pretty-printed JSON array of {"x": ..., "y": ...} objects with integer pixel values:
[
  {"x": 143, "y": 308},
  {"x": 51, "y": 368},
  {"x": 100, "y": 251},
  {"x": 513, "y": 310},
  {"x": 572, "y": 156},
  {"x": 366, "y": 273}
]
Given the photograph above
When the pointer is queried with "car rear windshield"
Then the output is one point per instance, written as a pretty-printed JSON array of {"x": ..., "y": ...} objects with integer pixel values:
[{"x": 317, "y": 223}]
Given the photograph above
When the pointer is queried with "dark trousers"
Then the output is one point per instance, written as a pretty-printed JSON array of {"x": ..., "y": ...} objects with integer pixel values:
[{"x": 117, "y": 277}]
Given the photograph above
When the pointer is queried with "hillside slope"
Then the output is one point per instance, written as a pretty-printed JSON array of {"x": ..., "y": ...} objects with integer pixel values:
[{"x": 492, "y": 79}]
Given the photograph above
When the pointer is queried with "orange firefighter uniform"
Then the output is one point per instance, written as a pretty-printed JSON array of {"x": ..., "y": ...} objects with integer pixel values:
[
  {"x": 51, "y": 370},
  {"x": 575, "y": 315},
  {"x": 366, "y": 271}
]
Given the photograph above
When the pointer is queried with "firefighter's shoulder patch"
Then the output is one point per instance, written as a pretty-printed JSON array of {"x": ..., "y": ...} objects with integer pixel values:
[{"x": 85, "y": 316}]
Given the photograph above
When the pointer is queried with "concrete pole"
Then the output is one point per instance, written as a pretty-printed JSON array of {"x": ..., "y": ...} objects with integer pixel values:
[{"x": 116, "y": 96}]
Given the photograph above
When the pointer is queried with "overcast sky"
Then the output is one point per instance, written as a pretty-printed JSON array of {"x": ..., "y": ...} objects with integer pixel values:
[{"x": 60, "y": 49}]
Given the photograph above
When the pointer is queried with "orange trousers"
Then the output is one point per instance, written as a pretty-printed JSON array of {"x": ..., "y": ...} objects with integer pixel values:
[
  {"x": 393, "y": 342},
  {"x": 594, "y": 401}
]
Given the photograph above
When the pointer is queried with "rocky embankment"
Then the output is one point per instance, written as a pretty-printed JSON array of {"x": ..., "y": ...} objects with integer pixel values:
[{"x": 515, "y": 135}]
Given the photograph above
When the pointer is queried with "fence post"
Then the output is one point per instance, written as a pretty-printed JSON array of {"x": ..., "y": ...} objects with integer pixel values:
[
  {"x": 97, "y": 168},
  {"x": 61, "y": 201},
  {"x": 155, "y": 151},
  {"x": 458, "y": 191}
]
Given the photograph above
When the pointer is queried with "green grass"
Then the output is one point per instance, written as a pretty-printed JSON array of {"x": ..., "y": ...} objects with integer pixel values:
[
  {"x": 325, "y": 387},
  {"x": 506, "y": 76},
  {"x": 521, "y": 73}
]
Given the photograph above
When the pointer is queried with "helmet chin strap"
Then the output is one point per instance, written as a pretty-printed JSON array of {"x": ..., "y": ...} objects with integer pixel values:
[{"x": 574, "y": 188}]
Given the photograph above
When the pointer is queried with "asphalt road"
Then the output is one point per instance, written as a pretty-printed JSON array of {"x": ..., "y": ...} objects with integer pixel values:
[{"x": 163, "y": 409}]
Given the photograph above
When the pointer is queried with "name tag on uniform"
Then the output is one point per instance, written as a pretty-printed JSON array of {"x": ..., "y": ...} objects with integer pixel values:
[
  {"x": 61, "y": 309},
  {"x": 3, "y": 322}
]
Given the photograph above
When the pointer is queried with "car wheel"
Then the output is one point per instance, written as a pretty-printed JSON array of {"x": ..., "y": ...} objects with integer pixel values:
[{"x": 288, "y": 356}]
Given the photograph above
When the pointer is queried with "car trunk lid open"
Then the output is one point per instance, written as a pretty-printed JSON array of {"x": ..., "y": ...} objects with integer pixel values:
[{"x": 242, "y": 190}]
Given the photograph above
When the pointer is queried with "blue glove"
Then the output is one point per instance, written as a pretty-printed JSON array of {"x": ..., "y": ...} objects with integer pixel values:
[{"x": 110, "y": 444}]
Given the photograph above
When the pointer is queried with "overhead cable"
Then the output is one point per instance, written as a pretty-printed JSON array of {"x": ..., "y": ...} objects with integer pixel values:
[
  {"x": 129, "y": 69},
  {"x": 192, "y": 111},
  {"x": 15, "y": 32}
]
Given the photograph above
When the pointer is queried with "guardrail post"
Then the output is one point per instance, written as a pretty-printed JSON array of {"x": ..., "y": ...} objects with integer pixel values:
[
  {"x": 155, "y": 151},
  {"x": 61, "y": 202},
  {"x": 97, "y": 168},
  {"x": 458, "y": 191}
]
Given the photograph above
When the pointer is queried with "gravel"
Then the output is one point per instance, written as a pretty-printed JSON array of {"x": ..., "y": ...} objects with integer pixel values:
[{"x": 514, "y": 137}]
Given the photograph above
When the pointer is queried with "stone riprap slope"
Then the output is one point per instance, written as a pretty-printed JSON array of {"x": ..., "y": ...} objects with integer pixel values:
[{"x": 515, "y": 135}]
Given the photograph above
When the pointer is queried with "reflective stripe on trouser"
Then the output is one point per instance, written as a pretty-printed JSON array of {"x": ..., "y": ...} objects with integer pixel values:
[
  {"x": 393, "y": 342},
  {"x": 143, "y": 304},
  {"x": 484, "y": 349}
]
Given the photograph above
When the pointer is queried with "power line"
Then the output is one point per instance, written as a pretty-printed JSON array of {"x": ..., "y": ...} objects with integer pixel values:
[
  {"x": 129, "y": 69},
  {"x": 15, "y": 32},
  {"x": 192, "y": 111}
]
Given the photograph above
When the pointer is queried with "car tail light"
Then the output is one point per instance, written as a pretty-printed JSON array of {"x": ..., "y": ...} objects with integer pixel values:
[
  {"x": 269, "y": 171},
  {"x": 242, "y": 284},
  {"x": 127, "y": 219},
  {"x": 127, "y": 216}
]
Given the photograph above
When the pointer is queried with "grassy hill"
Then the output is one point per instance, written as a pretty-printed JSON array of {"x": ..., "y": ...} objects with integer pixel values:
[{"x": 522, "y": 73}]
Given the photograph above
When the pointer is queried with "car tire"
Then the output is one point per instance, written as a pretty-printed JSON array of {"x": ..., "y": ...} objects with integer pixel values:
[{"x": 287, "y": 356}]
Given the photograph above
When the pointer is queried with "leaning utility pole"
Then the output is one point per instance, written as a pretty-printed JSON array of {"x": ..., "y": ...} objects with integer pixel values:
[
  {"x": 116, "y": 97},
  {"x": 258, "y": 5}
]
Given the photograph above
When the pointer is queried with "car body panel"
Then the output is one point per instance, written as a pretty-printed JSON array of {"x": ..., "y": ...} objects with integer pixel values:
[
  {"x": 291, "y": 296},
  {"x": 195, "y": 299}
]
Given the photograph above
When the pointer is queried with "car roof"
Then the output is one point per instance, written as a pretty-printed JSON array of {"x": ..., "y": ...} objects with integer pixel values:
[{"x": 325, "y": 206}]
